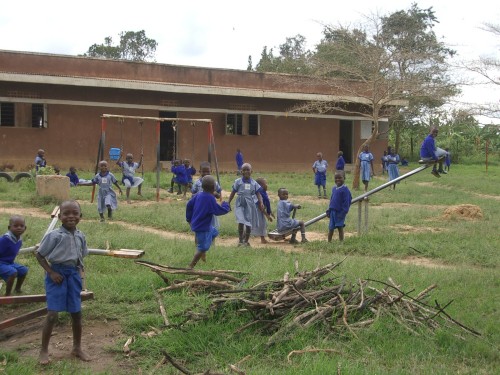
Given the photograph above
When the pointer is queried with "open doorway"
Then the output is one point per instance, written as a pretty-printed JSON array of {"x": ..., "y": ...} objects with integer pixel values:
[
  {"x": 168, "y": 141},
  {"x": 345, "y": 139}
]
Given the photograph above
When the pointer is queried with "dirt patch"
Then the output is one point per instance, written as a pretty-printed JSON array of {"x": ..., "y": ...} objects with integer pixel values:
[
  {"x": 401, "y": 228},
  {"x": 463, "y": 211},
  {"x": 422, "y": 262},
  {"x": 99, "y": 340}
]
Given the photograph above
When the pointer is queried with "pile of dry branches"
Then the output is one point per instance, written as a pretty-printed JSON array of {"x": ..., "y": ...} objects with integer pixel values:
[{"x": 309, "y": 298}]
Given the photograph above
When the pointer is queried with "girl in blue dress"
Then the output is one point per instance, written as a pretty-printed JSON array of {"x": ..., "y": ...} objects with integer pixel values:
[
  {"x": 106, "y": 197},
  {"x": 392, "y": 166},
  {"x": 366, "y": 166},
  {"x": 247, "y": 191}
]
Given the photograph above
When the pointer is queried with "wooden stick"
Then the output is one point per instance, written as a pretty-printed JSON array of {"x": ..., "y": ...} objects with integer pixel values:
[
  {"x": 175, "y": 364},
  {"x": 162, "y": 308},
  {"x": 294, "y": 352}
]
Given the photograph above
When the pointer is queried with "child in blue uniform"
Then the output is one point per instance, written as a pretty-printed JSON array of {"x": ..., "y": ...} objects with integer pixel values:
[
  {"x": 128, "y": 169},
  {"x": 239, "y": 161},
  {"x": 180, "y": 177},
  {"x": 366, "y": 166},
  {"x": 447, "y": 160},
  {"x": 392, "y": 166},
  {"x": 40, "y": 161},
  {"x": 200, "y": 210},
  {"x": 340, "y": 161},
  {"x": 266, "y": 214},
  {"x": 319, "y": 168},
  {"x": 190, "y": 172},
  {"x": 61, "y": 255},
  {"x": 10, "y": 244},
  {"x": 245, "y": 211},
  {"x": 340, "y": 202},
  {"x": 285, "y": 222},
  {"x": 429, "y": 153},
  {"x": 106, "y": 197}
]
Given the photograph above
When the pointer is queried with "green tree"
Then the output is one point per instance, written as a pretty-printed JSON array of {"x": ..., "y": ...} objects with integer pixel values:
[
  {"x": 133, "y": 46},
  {"x": 293, "y": 57}
]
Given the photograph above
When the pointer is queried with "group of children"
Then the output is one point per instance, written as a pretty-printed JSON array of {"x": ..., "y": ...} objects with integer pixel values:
[{"x": 182, "y": 176}]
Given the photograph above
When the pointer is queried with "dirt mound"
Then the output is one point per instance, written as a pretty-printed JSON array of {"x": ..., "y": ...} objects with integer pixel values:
[{"x": 463, "y": 211}]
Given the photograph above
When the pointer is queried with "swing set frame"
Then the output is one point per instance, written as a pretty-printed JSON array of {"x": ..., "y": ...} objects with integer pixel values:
[{"x": 158, "y": 120}]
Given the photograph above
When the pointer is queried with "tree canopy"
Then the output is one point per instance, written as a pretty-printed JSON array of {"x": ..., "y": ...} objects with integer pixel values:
[{"x": 134, "y": 45}]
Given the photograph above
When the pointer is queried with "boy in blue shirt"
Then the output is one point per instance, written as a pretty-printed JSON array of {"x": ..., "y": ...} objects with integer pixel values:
[
  {"x": 429, "y": 153},
  {"x": 199, "y": 213},
  {"x": 10, "y": 243},
  {"x": 340, "y": 202}
]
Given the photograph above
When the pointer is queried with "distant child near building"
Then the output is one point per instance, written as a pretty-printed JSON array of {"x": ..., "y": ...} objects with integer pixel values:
[
  {"x": 200, "y": 210},
  {"x": 106, "y": 197},
  {"x": 190, "y": 172},
  {"x": 40, "y": 161},
  {"x": 383, "y": 159},
  {"x": 10, "y": 244},
  {"x": 366, "y": 166},
  {"x": 61, "y": 254},
  {"x": 245, "y": 211},
  {"x": 264, "y": 215},
  {"x": 239, "y": 161},
  {"x": 180, "y": 177},
  {"x": 392, "y": 166},
  {"x": 319, "y": 168},
  {"x": 128, "y": 169},
  {"x": 447, "y": 160},
  {"x": 285, "y": 222},
  {"x": 340, "y": 161},
  {"x": 340, "y": 202}
]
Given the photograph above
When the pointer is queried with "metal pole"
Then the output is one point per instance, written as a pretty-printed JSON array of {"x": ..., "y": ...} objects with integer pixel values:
[
  {"x": 366, "y": 214},
  {"x": 158, "y": 166},
  {"x": 359, "y": 218}
]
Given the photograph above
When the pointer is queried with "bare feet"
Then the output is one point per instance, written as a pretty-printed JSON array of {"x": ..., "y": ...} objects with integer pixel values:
[
  {"x": 204, "y": 257},
  {"x": 263, "y": 240},
  {"x": 43, "y": 358},
  {"x": 78, "y": 353}
]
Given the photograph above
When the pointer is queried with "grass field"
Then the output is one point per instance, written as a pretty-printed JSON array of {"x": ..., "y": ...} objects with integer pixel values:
[{"x": 411, "y": 239}]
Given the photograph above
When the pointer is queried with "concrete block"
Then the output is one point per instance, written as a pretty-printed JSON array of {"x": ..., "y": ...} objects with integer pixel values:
[{"x": 53, "y": 185}]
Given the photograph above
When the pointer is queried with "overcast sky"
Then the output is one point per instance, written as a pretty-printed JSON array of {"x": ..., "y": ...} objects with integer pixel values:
[{"x": 222, "y": 34}]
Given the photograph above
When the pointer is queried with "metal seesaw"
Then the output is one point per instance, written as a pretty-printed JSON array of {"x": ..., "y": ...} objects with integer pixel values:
[{"x": 279, "y": 236}]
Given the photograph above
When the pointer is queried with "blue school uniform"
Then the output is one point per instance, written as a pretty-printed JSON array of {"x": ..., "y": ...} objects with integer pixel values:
[
  {"x": 320, "y": 175},
  {"x": 128, "y": 170},
  {"x": 190, "y": 172},
  {"x": 180, "y": 175},
  {"x": 392, "y": 166},
  {"x": 340, "y": 163},
  {"x": 40, "y": 162},
  {"x": 200, "y": 210},
  {"x": 239, "y": 160},
  {"x": 9, "y": 248},
  {"x": 340, "y": 203},
  {"x": 283, "y": 218},
  {"x": 196, "y": 188},
  {"x": 261, "y": 228},
  {"x": 429, "y": 151},
  {"x": 106, "y": 195},
  {"x": 64, "y": 251},
  {"x": 245, "y": 209},
  {"x": 73, "y": 179},
  {"x": 366, "y": 157}
]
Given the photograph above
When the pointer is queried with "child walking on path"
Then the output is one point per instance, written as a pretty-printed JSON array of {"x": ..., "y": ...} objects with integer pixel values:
[
  {"x": 200, "y": 211},
  {"x": 285, "y": 222},
  {"x": 392, "y": 166},
  {"x": 128, "y": 169},
  {"x": 340, "y": 202},
  {"x": 340, "y": 161},
  {"x": 245, "y": 211},
  {"x": 106, "y": 197},
  {"x": 429, "y": 153},
  {"x": 10, "y": 244},
  {"x": 61, "y": 255},
  {"x": 366, "y": 166},
  {"x": 319, "y": 168},
  {"x": 267, "y": 213}
]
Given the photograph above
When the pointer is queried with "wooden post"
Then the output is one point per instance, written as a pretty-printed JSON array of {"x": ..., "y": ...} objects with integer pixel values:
[
  {"x": 366, "y": 214},
  {"x": 359, "y": 217},
  {"x": 158, "y": 162}
]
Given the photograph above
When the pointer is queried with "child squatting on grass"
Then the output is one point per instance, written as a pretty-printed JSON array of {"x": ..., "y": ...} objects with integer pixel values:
[
  {"x": 340, "y": 202},
  {"x": 61, "y": 255},
  {"x": 200, "y": 210},
  {"x": 285, "y": 222},
  {"x": 10, "y": 244}
]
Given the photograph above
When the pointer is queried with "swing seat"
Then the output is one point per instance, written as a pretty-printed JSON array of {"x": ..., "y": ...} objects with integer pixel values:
[{"x": 114, "y": 153}]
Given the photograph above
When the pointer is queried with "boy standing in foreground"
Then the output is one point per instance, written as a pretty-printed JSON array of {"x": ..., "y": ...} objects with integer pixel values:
[
  {"x": 340, "y": 202},
  {"x": 200, "y": 210},
  {"x": 61, "y": 255}
]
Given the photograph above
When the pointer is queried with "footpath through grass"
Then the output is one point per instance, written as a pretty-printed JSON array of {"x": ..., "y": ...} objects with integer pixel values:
[{"x": 409, "y": 240}]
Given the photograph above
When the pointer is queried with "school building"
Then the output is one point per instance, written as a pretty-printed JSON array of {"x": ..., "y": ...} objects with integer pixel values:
[{"x": 56, "y": 102}]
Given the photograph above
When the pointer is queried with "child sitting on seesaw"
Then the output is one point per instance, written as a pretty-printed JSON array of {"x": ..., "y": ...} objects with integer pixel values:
[
  {"x": 285, "y": 222},
  {"x": 10, "y": 244}
]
